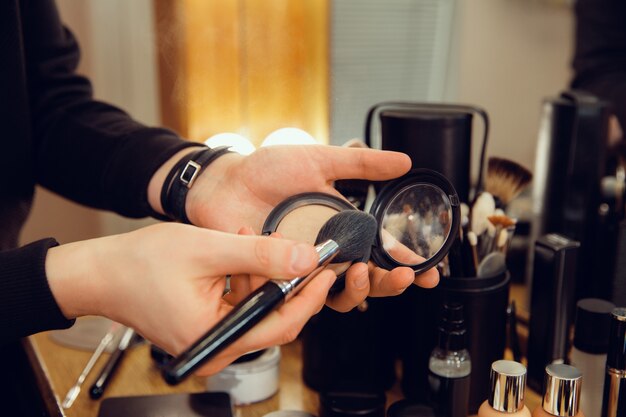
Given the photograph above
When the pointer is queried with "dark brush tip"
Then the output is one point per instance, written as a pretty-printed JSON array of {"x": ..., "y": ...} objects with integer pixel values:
[{"x": 353, "y": 230}]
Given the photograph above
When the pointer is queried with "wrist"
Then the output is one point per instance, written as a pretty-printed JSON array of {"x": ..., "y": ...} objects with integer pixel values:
[
  {"x": 210, "y": 179},
  {"x": 158, "y": 179},
  {"x": 77, "y": 279}
]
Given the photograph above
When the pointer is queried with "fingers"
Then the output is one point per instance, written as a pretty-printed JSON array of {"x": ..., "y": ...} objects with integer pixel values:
[
  {"x": 356, "y": 290},
  {"x": 428, "y": 279},
  {"x": 388, "y": 283},
  {"x": 279, "y": 327},
  {"x": 369, "y": 164},
  {"x": 240, "y": 285},
  {"x": 226, "y": 253}
]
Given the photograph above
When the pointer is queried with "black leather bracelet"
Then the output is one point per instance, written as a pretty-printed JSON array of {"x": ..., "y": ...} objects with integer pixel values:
[{"x": 182, "y": 177}]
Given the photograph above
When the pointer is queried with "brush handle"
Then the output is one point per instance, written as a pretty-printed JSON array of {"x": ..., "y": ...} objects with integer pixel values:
[
  {"x": 98, "y": 387},
  {"x": 243, "y": 317}
]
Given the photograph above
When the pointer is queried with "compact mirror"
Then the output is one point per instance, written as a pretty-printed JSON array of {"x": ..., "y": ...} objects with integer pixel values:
[{"x": 418, "y": 217}]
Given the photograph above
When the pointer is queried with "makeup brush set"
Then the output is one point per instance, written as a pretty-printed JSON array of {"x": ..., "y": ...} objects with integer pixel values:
[{"x": 486, "y": 230}]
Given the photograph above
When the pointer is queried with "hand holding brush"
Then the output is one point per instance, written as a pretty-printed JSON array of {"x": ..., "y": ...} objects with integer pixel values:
[{"x": 345, "y": 237}]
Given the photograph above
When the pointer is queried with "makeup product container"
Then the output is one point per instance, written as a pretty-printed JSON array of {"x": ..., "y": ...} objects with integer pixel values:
[
  {"x": 614, "y": 399},
  {"x": 249, "y": 379},
  {"x": 552, "y": 304},
  {"x": 436, "y": 136},
  {"x": 352, "y": 404},
  {"x": 506, "y": 391},
  {"x": 418, "y": 215},
  {"x": 484, "y": 301},
  {"x": 570, "y": 163},
  {"x": 588, "y": 354},
  {"x": 407, "y": 408},
  {"x": 439, "y": 136},
  {"x": 561, "y": 392},
  {"x": 449, "y": 366}
]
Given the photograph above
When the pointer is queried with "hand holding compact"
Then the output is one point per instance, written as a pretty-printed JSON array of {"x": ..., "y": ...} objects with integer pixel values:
[{"x": 238, "y": 190}]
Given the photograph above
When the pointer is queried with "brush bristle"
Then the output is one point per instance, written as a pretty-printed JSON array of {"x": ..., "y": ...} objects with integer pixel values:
[
  {"x": 353, "y": 230},
  {"x": 504, "y": 221},
  {"x": 506, "y": 179}
]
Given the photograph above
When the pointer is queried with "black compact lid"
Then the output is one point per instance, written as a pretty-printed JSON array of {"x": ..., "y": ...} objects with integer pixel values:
[
  {"x": 407, "y": 408},
  {"x": 352, "y": 404},
  {"x": 593, "y": 320},
  {"x": 616, "y": 356},
  {"x": 386, "y": 196}
]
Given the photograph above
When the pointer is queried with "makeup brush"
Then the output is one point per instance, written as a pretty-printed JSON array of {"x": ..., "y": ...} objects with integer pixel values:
[
  {"x": 347, "y": 236},
  {"x": 506, "y": 179},
  {"x": 473, "y": 241},
  {"x": 104, "y": 342},
  {"x": 501, "y": 222},
  {"x": 483, "y": 207}
]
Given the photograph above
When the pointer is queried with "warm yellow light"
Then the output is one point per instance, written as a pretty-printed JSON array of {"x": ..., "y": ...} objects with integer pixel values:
[
  {"x": 289, "y": 136},
  {"x": 236, "y": 142}
]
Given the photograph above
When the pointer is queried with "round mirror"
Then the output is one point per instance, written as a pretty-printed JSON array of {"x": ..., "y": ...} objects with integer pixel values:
[
  {"x": 418, "y": 218},
  {"x": 416, "y": 223}
]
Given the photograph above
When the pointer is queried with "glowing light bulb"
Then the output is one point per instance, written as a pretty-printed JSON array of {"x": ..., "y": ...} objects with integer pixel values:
[
  {"x": 236, "y": 142},
  {"x": 289, "y": 136}
]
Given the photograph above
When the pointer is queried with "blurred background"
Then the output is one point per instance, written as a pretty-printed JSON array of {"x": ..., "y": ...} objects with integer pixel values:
[{"x": 252, "y": 67}]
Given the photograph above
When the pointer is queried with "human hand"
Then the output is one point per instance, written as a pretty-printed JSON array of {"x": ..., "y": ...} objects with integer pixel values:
[
  {"x": 166, "y": 282},
  {"x": 240, "y": 190}
]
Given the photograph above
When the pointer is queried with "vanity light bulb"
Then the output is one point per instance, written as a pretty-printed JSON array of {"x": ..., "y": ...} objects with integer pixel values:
[
  {"x": 236, "y": 142},
  {"x": 289, "y": 136}
]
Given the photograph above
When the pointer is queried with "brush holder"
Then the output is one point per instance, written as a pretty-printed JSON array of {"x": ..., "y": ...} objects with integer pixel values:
[
  {"x": 348, "y": 351},
  {"x": 484, "y": 301}
]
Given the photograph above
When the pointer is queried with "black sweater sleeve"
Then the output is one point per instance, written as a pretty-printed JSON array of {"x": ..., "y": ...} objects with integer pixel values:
[
  {"x": 86, "y": 150},
  {"x": 27, "y": 305},
  {"x": 600, "y": 51}
]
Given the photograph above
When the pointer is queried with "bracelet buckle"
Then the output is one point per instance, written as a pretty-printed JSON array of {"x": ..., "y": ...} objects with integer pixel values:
[{"x": 190, "y": 173}]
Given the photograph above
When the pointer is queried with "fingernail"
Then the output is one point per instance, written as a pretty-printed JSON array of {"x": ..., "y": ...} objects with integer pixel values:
[
  {"x": 361, "y": 281},
  {"x": 301, "y": 258}
]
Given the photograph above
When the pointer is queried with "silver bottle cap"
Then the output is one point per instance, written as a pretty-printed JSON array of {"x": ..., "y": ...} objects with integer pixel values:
[
  {"x": 562, "y": 390},
  {"x": 508, "y": 383}
]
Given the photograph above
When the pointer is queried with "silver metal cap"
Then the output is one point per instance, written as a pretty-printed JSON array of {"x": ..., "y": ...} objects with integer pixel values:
[
  {"x": 508, "y": 383},
  {"x": 562, "y": 390}
]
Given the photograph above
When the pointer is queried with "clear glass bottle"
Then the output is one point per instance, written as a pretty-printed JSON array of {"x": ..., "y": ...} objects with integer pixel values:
[{"x": 450, "y": 366}]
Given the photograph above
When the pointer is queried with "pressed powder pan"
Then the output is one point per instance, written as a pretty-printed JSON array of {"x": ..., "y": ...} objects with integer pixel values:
[
  {"x": 418, "y": 216},
  {"x": 302, "y": 216}
]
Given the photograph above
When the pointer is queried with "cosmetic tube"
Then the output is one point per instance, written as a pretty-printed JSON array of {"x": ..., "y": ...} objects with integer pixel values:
[
  {"x": 450, "y": 366},
  {"x": 614, "y": 401},
  {"x": 588, "y": 354},
  {"x": 561, "y": 392},
  {"x": 506, "y": 396}
]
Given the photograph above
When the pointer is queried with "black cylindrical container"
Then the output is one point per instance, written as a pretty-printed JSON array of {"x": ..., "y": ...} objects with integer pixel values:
[
  {"x": 348, "y": 351},
  {"x": 439, "y": 139},
  {"x": 484, "y": 303}
]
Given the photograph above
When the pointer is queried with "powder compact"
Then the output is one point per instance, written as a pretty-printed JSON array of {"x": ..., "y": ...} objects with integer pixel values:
[{"x": 418, "y": 216}]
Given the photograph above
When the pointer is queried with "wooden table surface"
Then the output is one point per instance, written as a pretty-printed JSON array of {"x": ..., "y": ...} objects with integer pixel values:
[
  {"x": 137, "y": 375},
  {"x": 59, "y": 367}
]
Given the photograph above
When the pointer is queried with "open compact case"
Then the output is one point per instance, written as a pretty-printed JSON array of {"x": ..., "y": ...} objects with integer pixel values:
[{"x": 418, "y": 216}]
